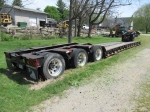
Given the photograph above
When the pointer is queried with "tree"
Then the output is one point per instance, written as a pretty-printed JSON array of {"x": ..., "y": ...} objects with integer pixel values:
[
  {"x": 65, "y": 15},
  {"x": 93, "y": 10},
  {"x": 74, "y": 12},
  {"x": 99, "y": 10},
  {"x": 2, "y": 2},
  {"x": 80, "y": 15},
  {"x": 52, "y": 12},
  {"x": 17, "y": 3},
  {"x": 61, "y": 7},
  {"x": 142, "y": 15}
]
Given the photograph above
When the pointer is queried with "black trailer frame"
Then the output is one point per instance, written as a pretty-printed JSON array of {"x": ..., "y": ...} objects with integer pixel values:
[{"x": 50, "y": 61}]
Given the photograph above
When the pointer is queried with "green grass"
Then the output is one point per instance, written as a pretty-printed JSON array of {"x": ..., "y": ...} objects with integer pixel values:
[
  {"x": 14, "y": 90},
  {"x": 144, "y": 32}
]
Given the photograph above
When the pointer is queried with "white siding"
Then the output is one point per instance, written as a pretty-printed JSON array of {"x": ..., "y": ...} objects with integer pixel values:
[
  {"x": 32, "y": 22},
  {"x": 24, "y": 16}
]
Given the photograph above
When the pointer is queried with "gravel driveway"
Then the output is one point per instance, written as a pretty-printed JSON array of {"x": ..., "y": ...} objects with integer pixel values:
[{"x": 115, "y": 91}]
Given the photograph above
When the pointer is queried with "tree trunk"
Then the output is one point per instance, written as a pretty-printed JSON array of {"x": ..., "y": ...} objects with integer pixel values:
[
  {"x": 79, "y": 31},
  {"x": 70, "y": 31},
  {"x": 70, "y": 24},
  {"x": 90, "y": 29},
  {"x": 79, "y": 27},
  {"x": 75, "y": 30},
  {"x": 146, "y": 30}
]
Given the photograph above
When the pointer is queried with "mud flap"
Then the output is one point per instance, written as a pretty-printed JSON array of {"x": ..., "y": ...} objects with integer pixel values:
[
  {"x": 9, "y": 64},
  {"x": 32, "y": 73}
]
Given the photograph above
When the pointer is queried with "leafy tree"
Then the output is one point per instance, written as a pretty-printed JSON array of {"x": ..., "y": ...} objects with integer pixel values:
[
  {"x": 52, "y": 12},
  {"x": 65, "y": 14},
  {"x": 61, "y": 7},
  {"x": 142, "y": 18},
  {"x": 2, "y": 4},
  {"x": 17, "y": 3}
]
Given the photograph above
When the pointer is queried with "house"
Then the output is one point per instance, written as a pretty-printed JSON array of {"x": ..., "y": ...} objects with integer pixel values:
[
  {"x": 51, "y": 20},
  {"x": 30, "y": 16},
  {"x": 124, "y": 21}
]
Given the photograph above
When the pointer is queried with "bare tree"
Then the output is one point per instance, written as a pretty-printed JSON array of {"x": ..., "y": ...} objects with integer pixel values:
[
  {"x": 100, "y": 9},
  {"x": 79, "y": 9},
  {"x": 80, "y": 18},
  {"x": 94, "y": 10}
]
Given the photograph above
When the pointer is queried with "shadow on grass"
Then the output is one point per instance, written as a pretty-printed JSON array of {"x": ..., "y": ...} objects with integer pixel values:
[{"x": 16, "y": 75}]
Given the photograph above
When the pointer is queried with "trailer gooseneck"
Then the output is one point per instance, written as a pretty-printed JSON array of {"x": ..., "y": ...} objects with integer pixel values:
[{"x": 51, "y": 61}]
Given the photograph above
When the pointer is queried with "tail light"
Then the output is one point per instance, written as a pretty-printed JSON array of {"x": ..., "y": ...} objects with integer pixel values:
[
  {"x": 34, "y": 63},
  {"x": 37, "y": 64}
]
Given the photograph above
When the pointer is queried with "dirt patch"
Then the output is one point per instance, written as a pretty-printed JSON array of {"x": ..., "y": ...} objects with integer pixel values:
[
  {"x": 115, "y": 91},
  {"x": 42, "y": 84},
  {"x": 145, "y": 34}
]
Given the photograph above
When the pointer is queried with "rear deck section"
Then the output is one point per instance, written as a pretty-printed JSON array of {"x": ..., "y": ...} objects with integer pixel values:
[{"x": 115, "y": 47}]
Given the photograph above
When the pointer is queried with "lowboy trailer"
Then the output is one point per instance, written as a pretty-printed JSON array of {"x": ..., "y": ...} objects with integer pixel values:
[{"x": 51, "y": 61}]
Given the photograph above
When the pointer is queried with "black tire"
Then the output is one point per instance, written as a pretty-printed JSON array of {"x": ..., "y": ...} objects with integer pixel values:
[
  {"x": 97, "y": 53},
  {"x": 78, "y": 58},
  {"x": 53, "y": 65}
]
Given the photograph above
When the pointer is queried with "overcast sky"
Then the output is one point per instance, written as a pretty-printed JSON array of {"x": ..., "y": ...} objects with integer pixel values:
[{"x": 125, "y": 11}]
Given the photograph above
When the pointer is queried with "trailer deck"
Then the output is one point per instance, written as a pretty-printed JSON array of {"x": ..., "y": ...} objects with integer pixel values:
[{"x": 51, "y": 61}]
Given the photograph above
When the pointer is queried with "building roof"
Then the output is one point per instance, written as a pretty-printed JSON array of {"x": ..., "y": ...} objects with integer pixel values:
[
  {"x": 124, "y": 21},
  {"x": 26, "y": 9},
  {"x": 51, "y": 20}
]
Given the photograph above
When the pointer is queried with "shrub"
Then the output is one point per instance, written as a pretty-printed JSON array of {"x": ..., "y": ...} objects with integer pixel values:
[{"x": 5, "y": 37}]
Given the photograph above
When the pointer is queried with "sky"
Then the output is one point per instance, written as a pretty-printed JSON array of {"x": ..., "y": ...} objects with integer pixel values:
[
  {"x": 127, "y": 11},
  {"x": 124, "y": 11}
]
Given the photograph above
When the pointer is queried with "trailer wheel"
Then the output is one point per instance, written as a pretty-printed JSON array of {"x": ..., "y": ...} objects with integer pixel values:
[
  {"x": 79, "y": 58},
  {"x": 53, "y": 66},
  {"x": 97, "y": 53}
]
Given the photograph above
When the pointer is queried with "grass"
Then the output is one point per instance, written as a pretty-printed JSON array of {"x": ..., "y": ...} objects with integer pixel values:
[
  {"x": 144, "y": 98},
  {"x": 144, "y": 32},
  {"x": 15, "y": 94}
]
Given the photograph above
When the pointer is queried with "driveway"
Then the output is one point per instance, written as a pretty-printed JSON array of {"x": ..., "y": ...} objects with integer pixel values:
[{"x": 115, "y": 91}]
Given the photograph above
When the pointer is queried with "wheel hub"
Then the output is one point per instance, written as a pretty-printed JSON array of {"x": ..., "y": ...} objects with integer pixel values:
[
  {"x": 98, "y": 54},
  {"x": 81, "y": 59},
  {"x": 55, "y": 67}
]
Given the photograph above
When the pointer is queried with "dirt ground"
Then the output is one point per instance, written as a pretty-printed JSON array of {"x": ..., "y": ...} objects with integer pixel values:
[{"x": 115, "y": 91}]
